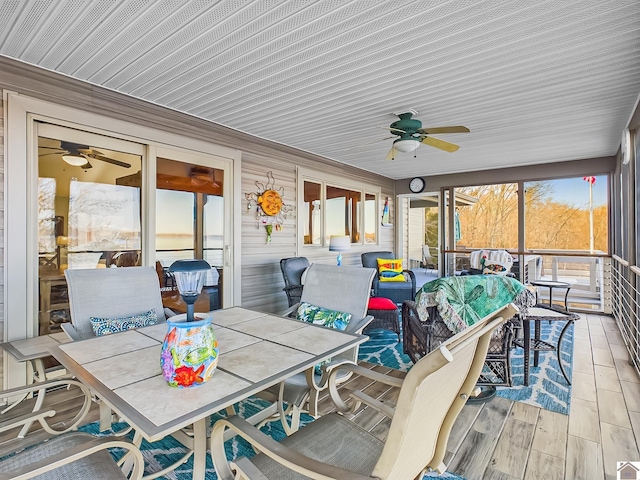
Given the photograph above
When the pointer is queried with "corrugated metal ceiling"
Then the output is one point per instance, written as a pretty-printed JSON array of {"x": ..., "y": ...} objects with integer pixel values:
[{"x": 535, "y": 81}]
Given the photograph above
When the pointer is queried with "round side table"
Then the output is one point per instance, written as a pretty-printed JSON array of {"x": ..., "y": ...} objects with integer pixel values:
[{"x": 551, "y": 284}]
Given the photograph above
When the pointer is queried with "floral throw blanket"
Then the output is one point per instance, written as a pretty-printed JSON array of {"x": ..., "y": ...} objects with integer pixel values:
[{"x": 462, "y": 301}]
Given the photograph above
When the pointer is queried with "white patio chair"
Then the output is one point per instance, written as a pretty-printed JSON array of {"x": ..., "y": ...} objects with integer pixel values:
[
  {"x": 26, "y": 411},
  {"x": 431, "y": 396},
  {"x": 345, "y": 289},
  {"x": 427, "y": 259},
  {"x": 72, "y": 456}
]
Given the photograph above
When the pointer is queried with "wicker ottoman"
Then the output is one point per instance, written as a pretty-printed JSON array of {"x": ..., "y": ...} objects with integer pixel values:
[{"x": 385, "y": 315}]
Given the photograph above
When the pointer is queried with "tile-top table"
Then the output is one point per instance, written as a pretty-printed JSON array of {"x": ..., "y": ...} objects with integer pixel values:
[{"x": 257, "y": 350}]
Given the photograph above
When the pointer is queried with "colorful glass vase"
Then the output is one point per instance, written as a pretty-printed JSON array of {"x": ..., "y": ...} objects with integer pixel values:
[{"x": 189, "y": 352}]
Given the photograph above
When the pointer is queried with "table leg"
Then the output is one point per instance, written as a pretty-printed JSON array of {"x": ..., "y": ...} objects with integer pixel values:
[
  {"x": 536, "y": 336},
  {"x": 559, "y": 350},
  {"x": 200, "y": 449},
  {"x": 527, "y": 349}
]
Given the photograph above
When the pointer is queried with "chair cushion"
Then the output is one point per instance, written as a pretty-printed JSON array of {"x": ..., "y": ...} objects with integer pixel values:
[
  {"x": 107, "y": 326},
  {"x": 381, "y": 303},
  {"x": 390, "y": 270},
  {"x": 325, "y": 317}
]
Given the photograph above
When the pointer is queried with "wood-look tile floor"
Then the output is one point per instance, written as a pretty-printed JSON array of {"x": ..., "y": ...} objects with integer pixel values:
[{"x": 505, "y": 440}]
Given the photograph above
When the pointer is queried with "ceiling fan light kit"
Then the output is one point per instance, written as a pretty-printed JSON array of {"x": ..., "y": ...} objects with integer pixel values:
[
  {"x": 75, "y": 160},
  {"x": 406, "y": 145}
]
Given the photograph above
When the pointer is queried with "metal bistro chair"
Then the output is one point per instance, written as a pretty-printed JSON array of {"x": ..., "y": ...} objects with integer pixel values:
[
  {"x": 292, "y": 270},
  {"x": 430, "y": 398}
]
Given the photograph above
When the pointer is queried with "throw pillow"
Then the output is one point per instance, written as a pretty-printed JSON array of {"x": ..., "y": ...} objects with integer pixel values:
[
  {"x": 390, "y": 270},
  {"x": 322, "y": 316},
  {"x": 495, "y": 268},
  {"x": 107, "y": 326}
]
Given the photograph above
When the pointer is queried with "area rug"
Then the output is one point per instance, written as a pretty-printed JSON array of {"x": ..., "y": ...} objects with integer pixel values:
[{"x": 547, "y": 388}]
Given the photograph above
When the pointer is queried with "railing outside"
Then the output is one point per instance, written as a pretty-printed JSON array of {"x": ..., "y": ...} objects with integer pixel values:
[
  {"x": 587, "y": 274},
  {"x": 625, "y": 301}
]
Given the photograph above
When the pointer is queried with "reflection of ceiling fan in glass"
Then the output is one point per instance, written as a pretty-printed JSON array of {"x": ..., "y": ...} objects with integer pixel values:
[{"x": 79, "y": 155}]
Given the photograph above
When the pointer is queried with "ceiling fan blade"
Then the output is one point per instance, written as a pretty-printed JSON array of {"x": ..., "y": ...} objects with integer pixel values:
[
  {"x": 365, "y": 144},
  {"x": 58, "y": 149},
  {"x": 112, "y": 161},
  {"x": 454, "y": 129},
  {"x": 393, "y": 129},
  {"x": 61, "y": 152},
  {"x": 441, "y": 144},
  {"x": 392, "y": 154}
]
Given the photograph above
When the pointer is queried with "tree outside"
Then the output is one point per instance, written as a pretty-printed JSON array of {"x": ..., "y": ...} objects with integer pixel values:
[{"x": 556, "y": 216}]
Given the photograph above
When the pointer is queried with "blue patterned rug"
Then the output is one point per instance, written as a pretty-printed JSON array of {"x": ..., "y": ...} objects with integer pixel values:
[{"x": 547, "y": 388}]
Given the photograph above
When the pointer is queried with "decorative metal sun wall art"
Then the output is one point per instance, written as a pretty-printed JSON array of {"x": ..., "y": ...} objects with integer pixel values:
[{"x": 271, "y": 211}]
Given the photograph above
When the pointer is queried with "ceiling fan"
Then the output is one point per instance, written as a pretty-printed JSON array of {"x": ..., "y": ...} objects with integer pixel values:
[
  {"x": 79, "y": 155},
  {"x": 411, "y": 134}
]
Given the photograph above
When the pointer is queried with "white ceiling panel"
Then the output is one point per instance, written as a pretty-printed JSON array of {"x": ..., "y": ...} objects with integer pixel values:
[{"x": 535, "y": 81}]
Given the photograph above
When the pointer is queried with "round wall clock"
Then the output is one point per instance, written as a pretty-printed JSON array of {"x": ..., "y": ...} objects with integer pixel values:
[{"x": 417, "y": 184}]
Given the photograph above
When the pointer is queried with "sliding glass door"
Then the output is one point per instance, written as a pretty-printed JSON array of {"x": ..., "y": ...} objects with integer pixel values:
[
  {"x": 192, "y": 221},
  {"x": 104, "y": 202}
]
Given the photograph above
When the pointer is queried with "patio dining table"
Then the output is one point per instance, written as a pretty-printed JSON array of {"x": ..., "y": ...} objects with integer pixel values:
[{"x": 257, "y": 350}]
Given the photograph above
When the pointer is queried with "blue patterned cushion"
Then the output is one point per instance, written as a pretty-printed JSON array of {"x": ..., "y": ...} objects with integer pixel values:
[
  {"x": 322, "y": 316},
  {"x": 107, "y": 326}
]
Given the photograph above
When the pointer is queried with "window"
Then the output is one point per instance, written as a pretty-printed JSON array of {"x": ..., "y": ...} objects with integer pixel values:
[
  {"x": 487, "y": 217},
  {"x": 329, "y": 206},
  {"x": 567, "y": 214}
]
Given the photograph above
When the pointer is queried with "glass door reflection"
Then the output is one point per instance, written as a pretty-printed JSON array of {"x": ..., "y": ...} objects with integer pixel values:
[{"x": 189, "y": 224}]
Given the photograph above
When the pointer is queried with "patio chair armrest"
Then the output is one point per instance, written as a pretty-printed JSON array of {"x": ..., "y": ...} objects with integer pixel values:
[
  {"x": 268, "y": 446},
  {"x": 358, "y": 325},
  {"x": 359, "y": 397},
  {"x": 41, "y": 415},
  {"x": 34, "y": 387},
  {"x": 71, "y": 331},
  {"x": 290, "y": 310},
  {"x": 246, "y": 470},
  {"x": 75, "y": 453},
  {"x": 169, "y": 313},
  {"x": 24, "y": 419},
  {"x": 412, "y": 277}
]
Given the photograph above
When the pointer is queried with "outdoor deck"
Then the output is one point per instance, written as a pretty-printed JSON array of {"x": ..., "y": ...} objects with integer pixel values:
[{"x": 508, "y": 440}]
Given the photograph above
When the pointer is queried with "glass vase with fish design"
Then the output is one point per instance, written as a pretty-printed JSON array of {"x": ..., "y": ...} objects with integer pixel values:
[{"x": 189, "y": 353}]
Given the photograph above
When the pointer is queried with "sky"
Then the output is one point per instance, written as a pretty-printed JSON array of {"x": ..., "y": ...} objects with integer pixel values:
[{"x": 575, "y": 191}]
